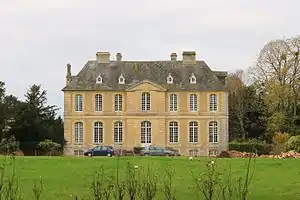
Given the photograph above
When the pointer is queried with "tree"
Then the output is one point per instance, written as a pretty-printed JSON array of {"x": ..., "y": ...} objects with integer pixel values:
[
  {"x": 35, "y": 120},
  {"x": 277, "y": 74}
]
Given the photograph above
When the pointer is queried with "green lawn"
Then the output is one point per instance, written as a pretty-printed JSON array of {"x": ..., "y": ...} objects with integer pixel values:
[{"x": 65, "y": 177}]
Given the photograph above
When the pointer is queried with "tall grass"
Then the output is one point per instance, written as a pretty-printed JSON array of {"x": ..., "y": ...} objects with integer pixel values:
[{"x": 140, "y": 183}]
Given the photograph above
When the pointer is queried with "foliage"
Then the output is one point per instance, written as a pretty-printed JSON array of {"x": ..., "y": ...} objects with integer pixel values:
[
  {"x": 281, "y": 138},
  {"x": 9, "y": 145},
  {"x": 251, "y": 146},
  {"x": 224, "y": 154},
  {"x": 48, "y": 146},
  {"x": 30, "y": 121},
  {"x": 293, "y": 143}
]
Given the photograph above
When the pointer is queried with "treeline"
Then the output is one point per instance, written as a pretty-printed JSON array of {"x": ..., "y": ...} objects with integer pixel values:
[
  {"x": 268, "y": 108},
  {"x": 25, "y": 125}
]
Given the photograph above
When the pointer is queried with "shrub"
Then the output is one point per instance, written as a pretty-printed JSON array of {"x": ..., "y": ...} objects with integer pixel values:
[
  {"x": 293, "y": 143},
  {"x": 48, "y": 146},
  {"x": 251, "y": 147},
  {"x": 9, "y": 145},
  {"x": 224, "y": 154},
  {"x": 280, "y": 138}
]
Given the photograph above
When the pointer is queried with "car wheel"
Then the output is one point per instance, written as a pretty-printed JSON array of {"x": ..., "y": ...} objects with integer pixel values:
[
  {"x": 89, "y": 155},
  {"x": 146, "y": 154},
  {"x": 167, "y": 155},
  {"x": 108, "y": 155}
]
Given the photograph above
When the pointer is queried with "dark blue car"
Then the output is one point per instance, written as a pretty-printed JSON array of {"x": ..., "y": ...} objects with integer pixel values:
[{"x": 100, "y": 151}]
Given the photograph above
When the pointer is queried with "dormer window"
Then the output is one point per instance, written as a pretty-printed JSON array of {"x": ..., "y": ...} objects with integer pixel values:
[
  {"x": 170, "y": 79},
  {"x": 99, "y": 79},
  {"x": 121, "y": 79},
  {"x": 193, "y": 79}
]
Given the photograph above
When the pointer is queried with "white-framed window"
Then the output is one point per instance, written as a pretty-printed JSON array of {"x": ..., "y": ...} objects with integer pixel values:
[
  {"x": 146, "y": 136},
  {"x": 118, "y": 102},
  {"x": 78, "y": 133},
  {"x": 193, "y": 102},
  {"x": 193, "y": 79},
  {"x": 173, "y": 132},
  {"x": 213, "y": 132},
  {"x": 213, "y": 104},
  {"x": 146, "y": 101},
  {"x": 193, "y": 132},
  {"x": 118, "y": 132},
  {"x": 213, "y": 152},
  {"x": 98, "y": 102},
  {"x": 121, "y": 79},
  {"x": 78, "y": 102},
  {"x": 99, "y": 80},
  {"x": 78, "y": 152},
  {"x": 194, "y": 152},
  {"x": 170, "y": 79},
  {"x": 98, "y": 132},
  {"x": 173, "y": 102}
]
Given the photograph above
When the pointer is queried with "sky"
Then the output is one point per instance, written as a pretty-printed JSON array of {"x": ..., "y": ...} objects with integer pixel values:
[{"x": 39, "y": 37}]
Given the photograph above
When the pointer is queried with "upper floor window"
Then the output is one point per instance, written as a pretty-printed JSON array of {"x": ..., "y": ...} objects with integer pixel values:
[
  {"x": 146, "y": 101},
  {"x": 173, "y": 132},
  {"x": 213, "y": 102},
  {"x": 193, "y": 102},
  {"x": 98, "y": 102},
  {"x": 99, "y": 79},
  {"x": 173, "y": 102},
  {"x": 193, "y": 132},
  {"x": 118, "y": 102},
  {"x": 213, "y": 132},
  {"x": 118, "y": 132},
  {"x": 193, "y": 79},
  {"x": 78, "y": 102},
  {"x": 78, "y": 137},
  {"x": 170, "y": 79},
  {"x": 121, "y": 79},
  {"x": 98, "y": 132}
]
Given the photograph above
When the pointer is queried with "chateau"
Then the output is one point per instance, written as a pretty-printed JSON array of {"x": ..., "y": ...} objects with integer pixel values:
[{"x": 175, "y": 103}]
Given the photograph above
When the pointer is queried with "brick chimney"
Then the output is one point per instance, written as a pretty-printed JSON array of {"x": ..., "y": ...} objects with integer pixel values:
[
  {"x": 119, "y": 56},
  {"x": 69, "y": 74},
  {"x": 173, "y": 56},
  {"x": 103, "y": 57},
  {"x": 189, "y": 58}
]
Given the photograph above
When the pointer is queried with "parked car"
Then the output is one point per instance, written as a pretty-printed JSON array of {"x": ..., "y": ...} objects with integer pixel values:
[
  {"x": 156, "y": 151},
  {"x": 100, "y": 151}
]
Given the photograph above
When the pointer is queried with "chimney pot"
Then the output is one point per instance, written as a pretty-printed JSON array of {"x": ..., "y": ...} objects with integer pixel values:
[
  {"x": 103, "y": 57},
  {"x": 173, "y": 56},
  {"x": 119, "y": 56},
  {"x": 189, "y": 58}
]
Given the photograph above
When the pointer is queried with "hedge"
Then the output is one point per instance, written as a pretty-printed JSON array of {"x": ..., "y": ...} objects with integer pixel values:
[{"x": 254, "y": 147}]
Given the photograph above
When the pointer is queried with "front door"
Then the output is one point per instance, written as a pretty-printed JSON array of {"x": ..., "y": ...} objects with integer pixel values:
[
  {"x": 97, "y": 151},
  {"x": 146, "y": 135}
]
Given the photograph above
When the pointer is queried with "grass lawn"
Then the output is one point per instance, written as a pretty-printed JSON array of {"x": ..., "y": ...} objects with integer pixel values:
[{"x": 65, "y": 177}]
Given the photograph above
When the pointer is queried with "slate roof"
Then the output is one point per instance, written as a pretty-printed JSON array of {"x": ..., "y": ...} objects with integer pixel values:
[{"x": 154, "y": 71}]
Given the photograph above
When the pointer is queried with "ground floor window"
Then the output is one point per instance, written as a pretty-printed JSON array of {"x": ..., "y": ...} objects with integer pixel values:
[
  {"x": 78, "y": 152},
  {"x": 213, "y": 152},
  {"x": 194, "y": 152}
]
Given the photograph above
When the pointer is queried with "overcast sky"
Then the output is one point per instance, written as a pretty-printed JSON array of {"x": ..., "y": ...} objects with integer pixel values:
[{"x": 39, "y": 37}]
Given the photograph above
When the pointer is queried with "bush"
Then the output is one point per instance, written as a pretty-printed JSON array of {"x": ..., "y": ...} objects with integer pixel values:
[
  {"x": 251, "y": 147},
  {"x": 49, "y": 147},
  {"x": 280, "y": 138},
  {"x": 224, "y": 154},
  {"x": 293, "y": 143},
  {"x": 9, "y": 145}
]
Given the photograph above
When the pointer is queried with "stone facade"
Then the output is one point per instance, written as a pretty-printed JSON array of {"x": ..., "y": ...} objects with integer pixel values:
[{"x": 159, "y": 115}]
